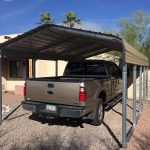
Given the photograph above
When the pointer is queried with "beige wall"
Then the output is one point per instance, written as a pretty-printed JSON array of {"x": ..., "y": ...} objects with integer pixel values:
[
  {"x": 4, "y": 75},
  {"x": 130, "y": 89},
  {"x": 45, "y": 68}
]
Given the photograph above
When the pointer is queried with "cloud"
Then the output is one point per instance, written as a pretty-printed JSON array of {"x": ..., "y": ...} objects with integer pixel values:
[
  {"x": 8, "y": 0},
  {"x": 90, "y": 25},
  {"x": 20, "y": 11}
]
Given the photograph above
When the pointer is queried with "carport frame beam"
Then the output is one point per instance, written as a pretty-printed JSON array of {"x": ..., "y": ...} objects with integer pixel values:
[
  {"x": 124, "y": 99},
  {"x": 0, "y": 86},
  {"x": 144, "y": 84},
  {"x": 140, "y": 90},
  {"x": 33, "y": 68},
  {"x": 56, "y": 68},
  {"x": 134, "y": 95}
]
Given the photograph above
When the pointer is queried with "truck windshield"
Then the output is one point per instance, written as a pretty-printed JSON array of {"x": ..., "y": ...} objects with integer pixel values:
[{"x": 85, "y": 68}]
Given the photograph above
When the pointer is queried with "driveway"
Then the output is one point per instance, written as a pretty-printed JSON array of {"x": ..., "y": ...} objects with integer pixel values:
[
  {"x": 10, "y": 101},
  {"x": 21, "y": 130}
]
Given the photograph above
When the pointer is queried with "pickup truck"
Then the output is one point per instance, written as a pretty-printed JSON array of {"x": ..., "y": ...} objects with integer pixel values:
[{"x": 86, "y": 88}]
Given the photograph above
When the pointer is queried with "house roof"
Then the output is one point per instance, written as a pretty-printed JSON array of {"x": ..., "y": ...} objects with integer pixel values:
[{"x": 53, "y": 42}]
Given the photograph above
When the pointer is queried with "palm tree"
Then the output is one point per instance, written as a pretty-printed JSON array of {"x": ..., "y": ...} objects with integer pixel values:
[
  {"x": 46, "y": 18},
  {"x": 71, "y": 19}
]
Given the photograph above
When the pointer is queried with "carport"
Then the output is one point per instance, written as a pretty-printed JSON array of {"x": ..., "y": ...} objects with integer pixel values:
[{"x": 52, "y": 42}]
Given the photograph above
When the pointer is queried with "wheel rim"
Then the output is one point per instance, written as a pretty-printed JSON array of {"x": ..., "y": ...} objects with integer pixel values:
[{"x": 100, "y": 112}]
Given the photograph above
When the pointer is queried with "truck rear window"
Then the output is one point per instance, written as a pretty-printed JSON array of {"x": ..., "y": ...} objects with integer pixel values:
[{"x": 85, "y": 68}]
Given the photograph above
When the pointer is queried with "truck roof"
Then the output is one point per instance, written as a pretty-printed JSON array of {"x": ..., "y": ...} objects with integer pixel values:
[{"x": 94, "y": 60}]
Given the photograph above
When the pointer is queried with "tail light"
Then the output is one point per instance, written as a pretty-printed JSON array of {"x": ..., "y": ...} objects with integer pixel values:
[
  {"x": 82, "y": 94},
  {"x": 24, "y": 90}
]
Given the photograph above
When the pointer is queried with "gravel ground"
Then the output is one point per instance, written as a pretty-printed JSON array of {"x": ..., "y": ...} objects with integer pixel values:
[
  {"x": 23, "y": 131},
  {"x": 10, "y": 101}
]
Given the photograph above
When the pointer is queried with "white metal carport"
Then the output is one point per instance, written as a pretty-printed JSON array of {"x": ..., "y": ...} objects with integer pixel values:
[{"x": 52, "y": 42}]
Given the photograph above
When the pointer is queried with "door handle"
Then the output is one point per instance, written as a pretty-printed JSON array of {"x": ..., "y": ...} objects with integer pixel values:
[{"x": 49, "y": 92}]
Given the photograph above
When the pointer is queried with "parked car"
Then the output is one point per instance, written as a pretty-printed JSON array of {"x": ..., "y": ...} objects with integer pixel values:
[{"x": 85, "y": 90}]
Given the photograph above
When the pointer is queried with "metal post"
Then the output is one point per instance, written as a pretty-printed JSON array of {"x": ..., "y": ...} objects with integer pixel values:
[
  {"x": 124, "y": 97},
  {"x": 56, "y": 68},
  {"x": 140, "y": 90},
  {"x": 144, "y": 85},
  {"x": 0, "y": 87},
  {"x": 134, "y": 96},
  {"x": 33, "y": 67}
]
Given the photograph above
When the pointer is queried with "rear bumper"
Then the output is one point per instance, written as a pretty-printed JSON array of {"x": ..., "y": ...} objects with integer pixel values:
[{"x": 61, "y": 110}]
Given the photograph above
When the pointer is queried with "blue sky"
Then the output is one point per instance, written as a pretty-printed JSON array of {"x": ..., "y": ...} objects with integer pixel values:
[{"x": 18, "y": 16}]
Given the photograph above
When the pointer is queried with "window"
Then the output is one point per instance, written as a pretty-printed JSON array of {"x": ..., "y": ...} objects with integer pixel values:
[
  {"x": 114, "y": 70},
  {"x": 15, "y": 69},
  {"x": 86, "y": 68}
]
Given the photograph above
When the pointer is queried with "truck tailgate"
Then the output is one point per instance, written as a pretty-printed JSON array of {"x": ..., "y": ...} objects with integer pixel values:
[{"x": 53, "y": 92}]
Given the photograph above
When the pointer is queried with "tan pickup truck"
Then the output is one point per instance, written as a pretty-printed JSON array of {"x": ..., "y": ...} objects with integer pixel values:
[{"x": 85, "y": 90}]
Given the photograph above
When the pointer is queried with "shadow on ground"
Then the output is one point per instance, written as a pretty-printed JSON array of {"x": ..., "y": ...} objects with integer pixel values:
[
  {"x": 74, "y": 123},
  {"x": 52, "y": 143},
  {"x": 60, "y": 121},
  {"x": 55, "y": 143}
]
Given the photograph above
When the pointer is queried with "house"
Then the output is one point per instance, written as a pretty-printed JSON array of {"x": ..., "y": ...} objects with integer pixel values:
[{"x": 14, "y": 72}]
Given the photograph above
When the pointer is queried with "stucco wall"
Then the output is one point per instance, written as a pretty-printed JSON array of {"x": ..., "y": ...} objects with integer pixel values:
[
  {"x": 130, "y": 89},
  {"x": 45, "y": 68},
  {"x": 4, "y": 75}
]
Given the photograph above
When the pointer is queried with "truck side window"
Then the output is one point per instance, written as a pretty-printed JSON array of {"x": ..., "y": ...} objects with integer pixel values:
[{"x": 114, "y": 70}]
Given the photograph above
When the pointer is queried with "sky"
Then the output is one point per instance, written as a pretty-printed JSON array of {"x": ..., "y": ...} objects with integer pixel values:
[{"x": 18, "y": 16}]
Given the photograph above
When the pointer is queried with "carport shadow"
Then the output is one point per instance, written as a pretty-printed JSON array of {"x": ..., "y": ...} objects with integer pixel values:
[
  {"x": 121, "y": 115},
  {"x": 112, "y": 134},
  {"x": 8, "y": 119},
  {"x": 14, "y": 110},
  {"x": 131, "y": 107},
  {"x": 59, "y": 121}
]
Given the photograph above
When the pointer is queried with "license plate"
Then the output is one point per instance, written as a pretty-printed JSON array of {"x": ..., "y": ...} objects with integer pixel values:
[{"x": 51, "y": 107}]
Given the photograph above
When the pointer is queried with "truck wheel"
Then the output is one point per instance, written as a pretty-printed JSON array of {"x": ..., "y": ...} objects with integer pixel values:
[
  {"x": 35, "y": 115},
  {"x": 98, "y": 114}
]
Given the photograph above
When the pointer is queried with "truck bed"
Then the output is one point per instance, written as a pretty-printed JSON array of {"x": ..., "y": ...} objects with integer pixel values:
[
  {"x": 66, "y": 78},
  {"x": 57, "y": 90}
]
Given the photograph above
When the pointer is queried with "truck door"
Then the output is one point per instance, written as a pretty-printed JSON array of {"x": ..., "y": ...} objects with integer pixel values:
[
  {"x": 113, "y": 77},
  {"x": 118, "y": 76}
]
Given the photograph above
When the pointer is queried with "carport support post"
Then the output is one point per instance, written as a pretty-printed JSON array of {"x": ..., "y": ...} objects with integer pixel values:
[
  {"x": 144, "y": 85},
  {"x": 124, "y": 99},
  {"x": 134, "y": 96},
  {"x": 56, "y": 68},
  {"x": 33, "y": 67},
  {"x": 140, "y": 90},
  {"x": 0, "y": 87}
]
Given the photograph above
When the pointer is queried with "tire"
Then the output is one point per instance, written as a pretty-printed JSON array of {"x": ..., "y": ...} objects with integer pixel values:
[
  {"x": 35, "y": 115},
  {"x": 98, "y": 114}
]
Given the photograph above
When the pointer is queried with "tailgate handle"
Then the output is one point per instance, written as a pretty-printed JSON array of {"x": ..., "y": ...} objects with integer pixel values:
[{"x": 49, "y": 92}]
